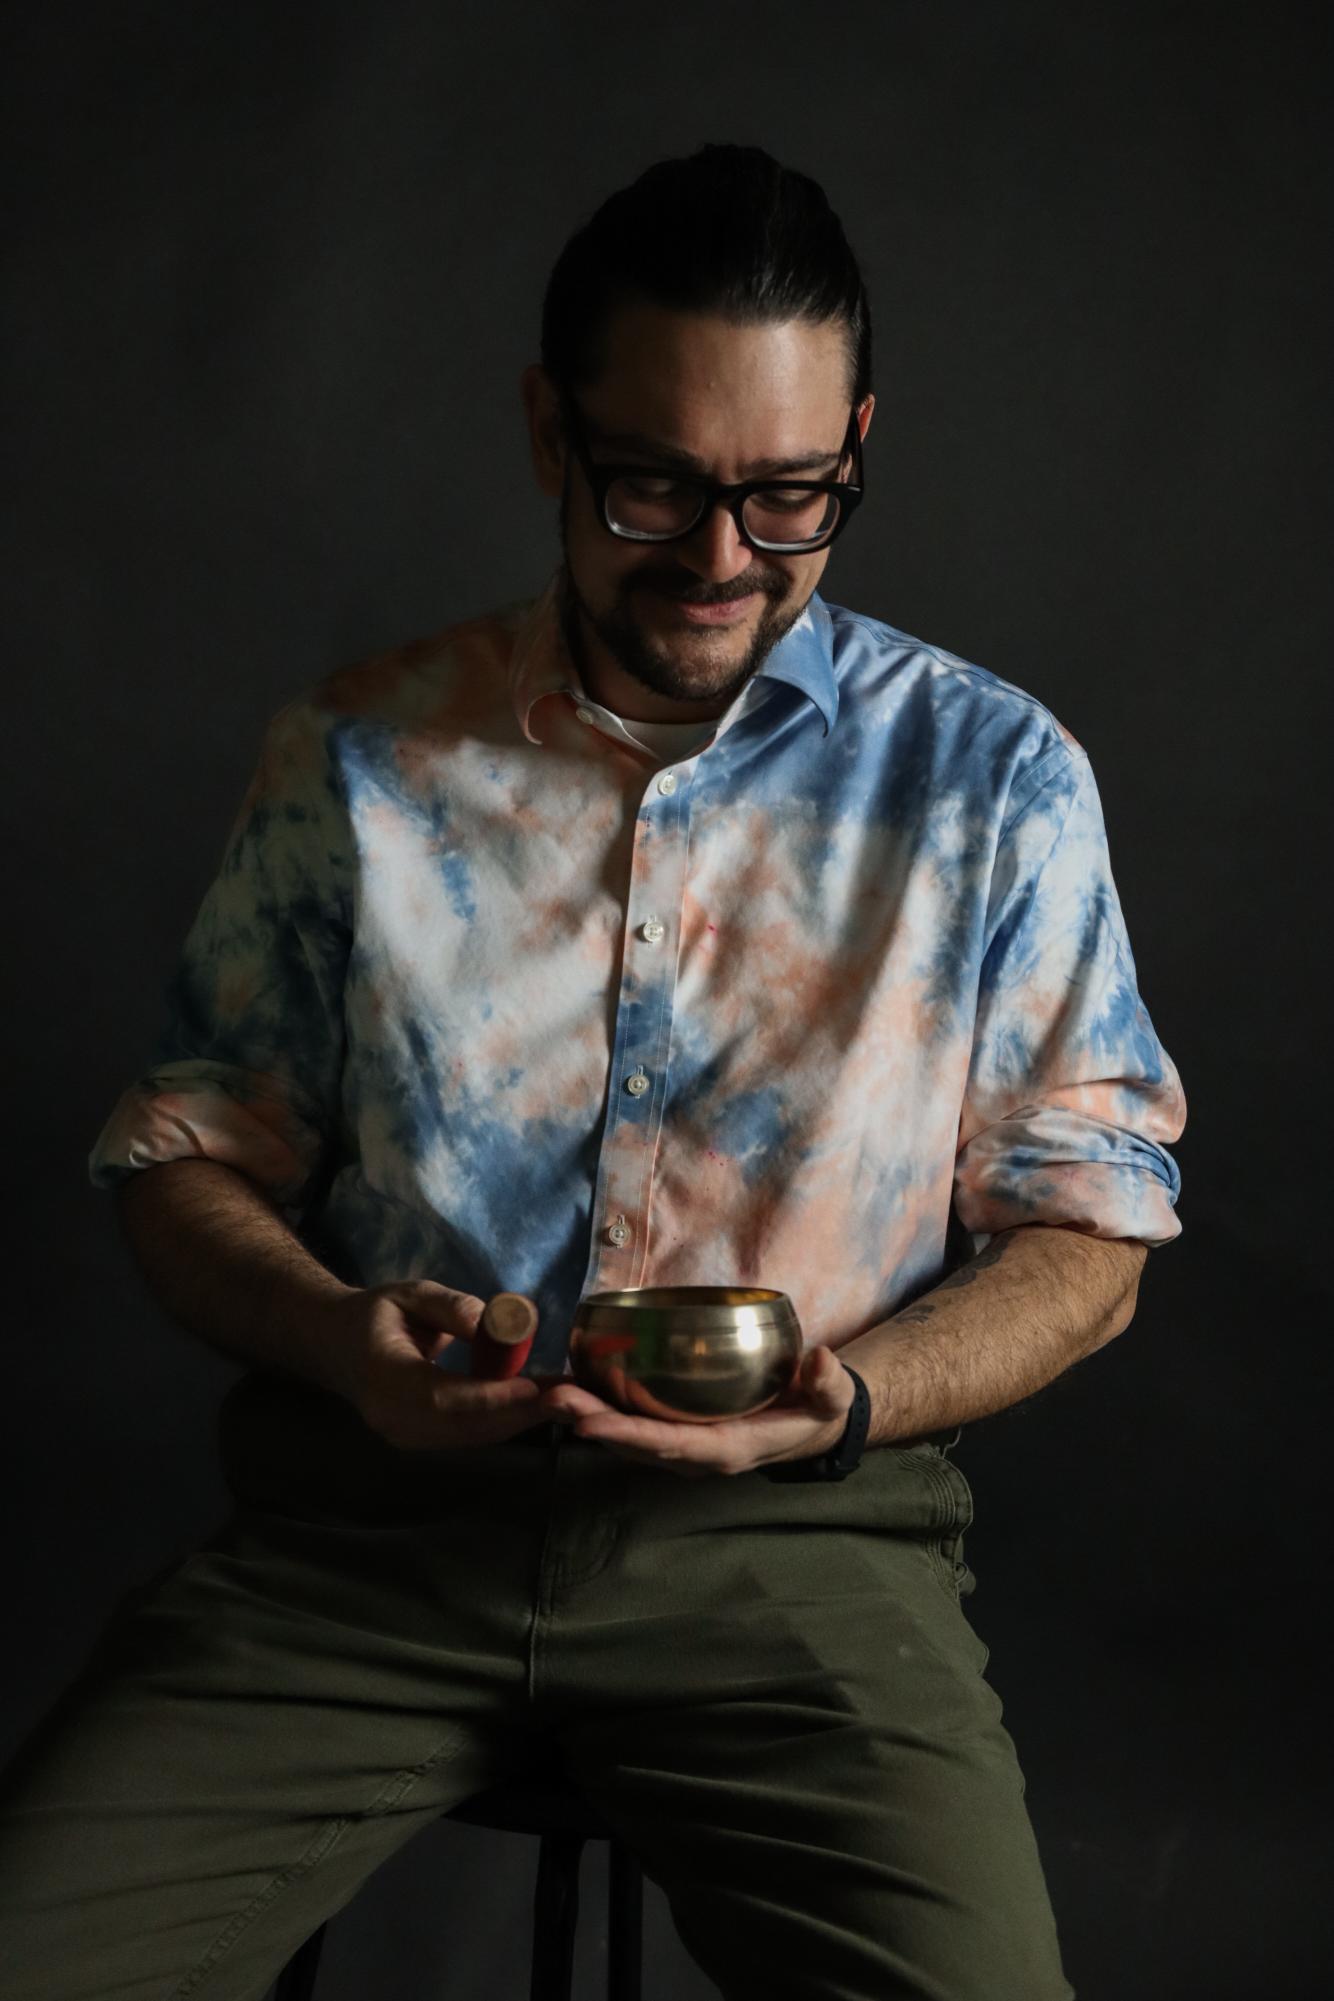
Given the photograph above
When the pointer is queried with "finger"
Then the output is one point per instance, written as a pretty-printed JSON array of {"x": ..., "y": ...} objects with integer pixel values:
[
  {"x": 457, "y": 1410},
  {"x": 439, "y": 1306},
  {"x": 823, "y": 1390},
  {"x": 434, "y": 1316},
  {"x": 826, "y": 1384},
  {"x": 732, "y": 1445},
  {"x": 477, "y": 1395},
  {"x": 684, "y": 1469},
  {"x": 435, "y": 1425},
  {"x": 781, "y": 1434},
  {"x": 567, "y": 1400},
  {"x": 525, "y": 1414},
  {"x": 654, "y": 1440},
  {"x": 818, "y": 1376}
]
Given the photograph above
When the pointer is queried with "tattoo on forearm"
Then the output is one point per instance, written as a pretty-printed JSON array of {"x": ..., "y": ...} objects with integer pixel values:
[
  {"x": 919, "y": 1313},
  {"x": 965, "y": 1275}
]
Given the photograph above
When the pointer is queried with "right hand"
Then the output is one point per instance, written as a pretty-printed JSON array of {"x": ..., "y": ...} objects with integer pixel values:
[{"x": 387, "y": 1337}]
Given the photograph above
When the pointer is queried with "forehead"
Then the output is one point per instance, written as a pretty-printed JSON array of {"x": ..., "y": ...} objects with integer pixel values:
[{"x": 719, "y": 389}]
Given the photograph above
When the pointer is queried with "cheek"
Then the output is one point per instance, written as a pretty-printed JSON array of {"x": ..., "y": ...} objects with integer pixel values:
[
  {"x": 797, "y": 575},
  {"x": 602, "y": 566},
  {"x": 808, "y": 575}
]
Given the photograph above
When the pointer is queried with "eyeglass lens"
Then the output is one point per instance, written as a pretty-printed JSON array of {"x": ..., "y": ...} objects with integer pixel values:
[{"x": 652, "y": 508}]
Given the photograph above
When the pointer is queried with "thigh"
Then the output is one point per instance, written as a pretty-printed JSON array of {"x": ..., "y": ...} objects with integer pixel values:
[
  {"x": 255, "y": 1732},
  {"x": 799, "y": 1741}
]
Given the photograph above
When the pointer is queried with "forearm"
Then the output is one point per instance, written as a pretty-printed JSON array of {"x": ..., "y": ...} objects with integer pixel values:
[
  {"x": 1036, "y": 1300},
  {"x": 219, "y": 1259}
]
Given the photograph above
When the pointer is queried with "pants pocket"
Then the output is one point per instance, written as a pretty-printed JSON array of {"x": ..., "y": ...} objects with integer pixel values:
[{"x": 955, "y": 1498}]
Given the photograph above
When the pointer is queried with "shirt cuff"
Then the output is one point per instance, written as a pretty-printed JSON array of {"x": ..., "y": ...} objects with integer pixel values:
[
  {"x": 211, "y": 1111},
  {"x": 1049, "y": 1165}
]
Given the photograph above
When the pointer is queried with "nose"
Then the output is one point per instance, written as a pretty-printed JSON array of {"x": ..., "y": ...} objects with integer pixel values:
[{"x": 714, "y": 549}]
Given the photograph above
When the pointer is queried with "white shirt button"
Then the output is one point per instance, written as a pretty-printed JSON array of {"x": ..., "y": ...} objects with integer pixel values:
[
  {"x": 667, "y": 783},
  {"x": 652, "y": 931},
  {"x": 619, "y": 1233},
  {"x": 584, "y": 715},
  {"x": 638, "y": 1084}
]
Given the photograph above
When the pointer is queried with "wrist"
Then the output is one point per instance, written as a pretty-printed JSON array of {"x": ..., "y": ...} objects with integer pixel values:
[
  {"x": 843, "y": 1456},
  {"x": 328, "y": 1333}
]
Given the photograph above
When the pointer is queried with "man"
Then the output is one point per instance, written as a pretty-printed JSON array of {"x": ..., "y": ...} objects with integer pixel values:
[{"x": 677, "y": 927}]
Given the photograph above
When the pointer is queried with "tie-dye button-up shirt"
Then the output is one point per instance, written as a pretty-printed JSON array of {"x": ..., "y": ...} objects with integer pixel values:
[{"x": 484, "y": 993}]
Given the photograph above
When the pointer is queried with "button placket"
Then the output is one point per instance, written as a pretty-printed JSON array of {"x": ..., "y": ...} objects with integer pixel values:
[{"x": 622, "y": 1196}]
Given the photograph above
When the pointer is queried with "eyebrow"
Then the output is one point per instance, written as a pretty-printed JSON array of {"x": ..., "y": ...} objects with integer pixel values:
[{"x": 634, "y": 441}]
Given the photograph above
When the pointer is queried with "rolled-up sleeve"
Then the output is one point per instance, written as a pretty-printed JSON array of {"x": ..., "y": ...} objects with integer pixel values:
[
  {"x": 1071, "y": 1099},
  {"x": 247, "y": 1065}
]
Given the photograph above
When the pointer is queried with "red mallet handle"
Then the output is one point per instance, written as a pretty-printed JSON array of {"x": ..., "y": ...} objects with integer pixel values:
[{"x": 504, "y": 1339}]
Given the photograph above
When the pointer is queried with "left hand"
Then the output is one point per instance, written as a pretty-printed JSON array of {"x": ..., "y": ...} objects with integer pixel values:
[{"x": 808, "y": 1418}]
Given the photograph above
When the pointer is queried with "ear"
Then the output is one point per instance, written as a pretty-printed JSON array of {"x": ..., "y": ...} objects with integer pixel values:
[
  {"x": 542, "y": 408},
  {"x": 864, "y": 410}
]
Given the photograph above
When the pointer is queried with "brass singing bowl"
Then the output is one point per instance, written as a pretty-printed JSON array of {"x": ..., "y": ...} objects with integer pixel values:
[{"x": 696, "y": 1353}]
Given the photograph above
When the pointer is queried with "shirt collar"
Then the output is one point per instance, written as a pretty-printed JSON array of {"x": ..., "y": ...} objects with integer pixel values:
[
  {"x": 540, "y": 663},
  {"x": 804, "y": 658}
]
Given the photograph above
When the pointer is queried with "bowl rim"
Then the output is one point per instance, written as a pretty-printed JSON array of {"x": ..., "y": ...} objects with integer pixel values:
[
  {"x": 699, "y": 1306},
  {"x": 688, "y": 1295}
]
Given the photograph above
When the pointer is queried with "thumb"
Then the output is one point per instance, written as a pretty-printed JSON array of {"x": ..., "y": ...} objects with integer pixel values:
[
  {"x": 436, "y": 1314},
  {"x": 827, "y": 1385}
]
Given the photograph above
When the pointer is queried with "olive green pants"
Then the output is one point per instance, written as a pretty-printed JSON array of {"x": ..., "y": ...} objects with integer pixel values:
[{"x": 770, "y": 1690}]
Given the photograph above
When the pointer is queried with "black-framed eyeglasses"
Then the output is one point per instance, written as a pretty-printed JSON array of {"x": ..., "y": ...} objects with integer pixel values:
[{"x": 784, "y": 517}]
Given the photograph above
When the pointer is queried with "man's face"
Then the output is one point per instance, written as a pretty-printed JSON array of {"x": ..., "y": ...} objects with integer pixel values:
[{"x": 691, "y": 621}]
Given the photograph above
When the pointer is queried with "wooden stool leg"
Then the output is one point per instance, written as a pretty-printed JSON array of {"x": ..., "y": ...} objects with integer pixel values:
[
  {"x": 296, "y": 1982},
  {"x": 625, "y": 1924},
  {"x": 555, "y": 1913}
]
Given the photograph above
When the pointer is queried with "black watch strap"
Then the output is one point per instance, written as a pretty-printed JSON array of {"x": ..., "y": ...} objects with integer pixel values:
[{"x": 840, "y": 1459}]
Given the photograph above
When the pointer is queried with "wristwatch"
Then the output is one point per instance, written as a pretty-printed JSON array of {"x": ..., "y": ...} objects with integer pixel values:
[{"x": 840, "y": 1459}]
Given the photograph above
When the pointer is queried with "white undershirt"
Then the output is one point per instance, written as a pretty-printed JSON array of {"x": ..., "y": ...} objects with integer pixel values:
[{"x": 667, "y": 742}]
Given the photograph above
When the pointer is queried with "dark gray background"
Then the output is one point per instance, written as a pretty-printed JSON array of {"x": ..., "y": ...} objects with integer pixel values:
[{"x": 271, "y": 276}]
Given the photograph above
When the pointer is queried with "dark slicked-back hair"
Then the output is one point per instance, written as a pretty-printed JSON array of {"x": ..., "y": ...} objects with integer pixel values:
[{"x": 726, "y": 231}]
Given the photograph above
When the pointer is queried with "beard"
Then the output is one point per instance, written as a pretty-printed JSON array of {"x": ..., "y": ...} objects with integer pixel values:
[{"x": 687, "y": 676}]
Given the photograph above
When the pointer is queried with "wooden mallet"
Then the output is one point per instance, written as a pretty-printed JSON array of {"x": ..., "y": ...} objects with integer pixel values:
[{"x": 504, "y": 1339}]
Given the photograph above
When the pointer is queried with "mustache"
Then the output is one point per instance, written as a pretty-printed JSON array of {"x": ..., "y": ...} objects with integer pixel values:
[{"x": 684, "y": 594}]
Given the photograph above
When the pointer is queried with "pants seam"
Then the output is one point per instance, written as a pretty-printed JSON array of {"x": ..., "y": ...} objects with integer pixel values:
[
  {"x": 391, "y": 1793},
  {"x": 325, "y": 1842},
  {"x": 543, "y": 1579}
]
